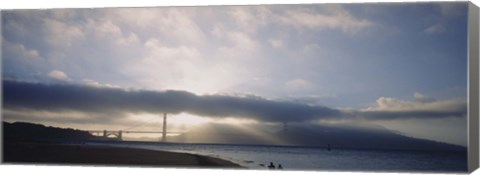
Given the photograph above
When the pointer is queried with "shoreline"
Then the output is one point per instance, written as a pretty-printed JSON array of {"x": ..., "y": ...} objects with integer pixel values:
[
  {"x": 79, "y": 154},
  {"x": 282, "y": 146}
]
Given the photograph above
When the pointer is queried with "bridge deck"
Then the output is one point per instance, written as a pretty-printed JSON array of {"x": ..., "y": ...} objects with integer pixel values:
[{"x": 136, "y": 132}]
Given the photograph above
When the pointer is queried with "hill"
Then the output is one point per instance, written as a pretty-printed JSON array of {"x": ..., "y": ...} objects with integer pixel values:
[
  {"x": 314, "y": 135},
  {"x": 310, "y": 135},
  {"x": 21, "y": 131}
]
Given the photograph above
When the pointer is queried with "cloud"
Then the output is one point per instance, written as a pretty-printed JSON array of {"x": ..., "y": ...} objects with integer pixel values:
[
  {"x": 453, "y": 9},
  {"x": 336, "y": 18},
  {"x": 17, "y": 57},
  {"x": 20, "y": 51},
  {"x": 435, "y": 29},
  {"x": 448, "y": 11},
  {"x": 64, "y": 98},
  {"x": 110, "y": 31},
  {"x": 423, "y": 108},
  {"x": 276, "y": 43},
  {"x": 162, "y": 66},
  {"x": 173, "y": 24},
  {"x": 250, "y": 18},
  {"x": 70, "y": 117},
  {"x": 93, "y": 83},
  {"x": 115, "y": 102},
  {"x": 422, "y": 98},
  {"x": 190, "y": 44},
  {"x": 298, "y": 85},
  {"x": 243, "y": 46},
  {"x": 58, "y": 75},
  {"x": 61, "y": 34}
]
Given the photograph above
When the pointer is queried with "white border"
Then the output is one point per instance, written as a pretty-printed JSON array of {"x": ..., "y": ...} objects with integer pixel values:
[
  {"x": 82, "y": 170},
  {"x": 47, "y": 4}
]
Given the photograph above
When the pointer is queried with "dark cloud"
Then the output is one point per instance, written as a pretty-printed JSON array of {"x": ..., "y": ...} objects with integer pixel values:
[
  {"x": 116, "y": 101},
  {"x": 395, "y": 115},
  {"x": 67, "y": 97},
  {"x": 423, "y": 107}
]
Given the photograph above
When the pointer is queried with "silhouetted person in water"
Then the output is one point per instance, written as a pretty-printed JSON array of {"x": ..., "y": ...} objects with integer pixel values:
[
  {"x": 328, "y": 148},
  {"x": 279, "y": 166},
  {"x": 271, "y": 166}
]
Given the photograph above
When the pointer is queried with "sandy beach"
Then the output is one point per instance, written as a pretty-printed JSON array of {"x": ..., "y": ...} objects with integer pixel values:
[{"x": 48, "y": 153}]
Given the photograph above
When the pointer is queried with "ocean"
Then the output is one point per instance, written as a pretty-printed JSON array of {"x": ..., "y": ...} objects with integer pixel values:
[{"x": 319, "y": 159}]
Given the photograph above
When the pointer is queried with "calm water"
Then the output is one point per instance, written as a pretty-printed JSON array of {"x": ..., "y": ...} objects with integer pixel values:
[{"x": 297, "y": 158}]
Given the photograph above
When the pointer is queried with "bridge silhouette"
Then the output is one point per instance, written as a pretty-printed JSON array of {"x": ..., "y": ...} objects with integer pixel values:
[{"x": 118, "y": 134}]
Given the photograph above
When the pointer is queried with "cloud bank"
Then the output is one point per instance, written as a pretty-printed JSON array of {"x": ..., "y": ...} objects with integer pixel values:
[
  {"x": 18, "y": 95},
  {"x": 423, "y": 107},
  {"x": 21, "y": 96}
]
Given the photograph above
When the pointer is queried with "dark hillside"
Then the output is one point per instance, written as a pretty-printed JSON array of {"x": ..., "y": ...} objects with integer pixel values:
[{"x": 20, "y": 131}]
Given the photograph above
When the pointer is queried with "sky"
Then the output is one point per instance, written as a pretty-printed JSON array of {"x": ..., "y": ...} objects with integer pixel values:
[{"x": 400, "y": 66}]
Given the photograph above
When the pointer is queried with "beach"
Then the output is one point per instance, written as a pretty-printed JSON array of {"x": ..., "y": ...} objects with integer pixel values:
[{"x": 55, "y": 153}]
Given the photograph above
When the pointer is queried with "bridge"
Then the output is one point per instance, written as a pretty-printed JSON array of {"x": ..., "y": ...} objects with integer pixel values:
[{"x": 118, "y": 134}]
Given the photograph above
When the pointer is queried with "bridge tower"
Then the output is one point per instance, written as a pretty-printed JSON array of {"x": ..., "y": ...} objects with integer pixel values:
[{"x": 164, "y": 132}]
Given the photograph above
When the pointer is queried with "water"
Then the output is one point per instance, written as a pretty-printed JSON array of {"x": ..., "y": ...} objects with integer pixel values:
[{"x": 298, "y": 158}]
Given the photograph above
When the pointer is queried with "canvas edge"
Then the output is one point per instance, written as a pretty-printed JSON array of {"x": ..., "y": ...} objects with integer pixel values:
[
  {"x": 1, "y": 88},
  {"x": 473, "y": 87}
]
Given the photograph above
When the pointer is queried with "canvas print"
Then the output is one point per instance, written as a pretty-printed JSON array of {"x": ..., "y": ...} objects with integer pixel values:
[{"x": 318, "y": 87}]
